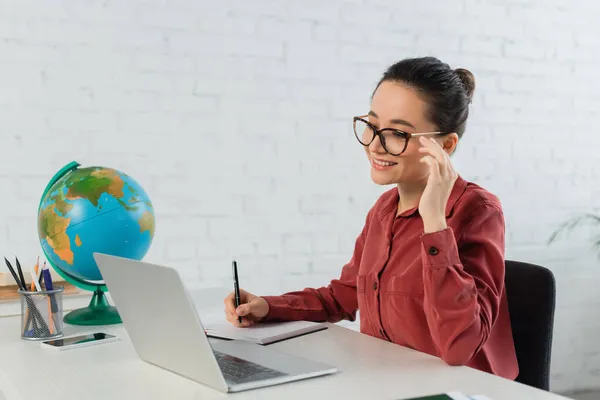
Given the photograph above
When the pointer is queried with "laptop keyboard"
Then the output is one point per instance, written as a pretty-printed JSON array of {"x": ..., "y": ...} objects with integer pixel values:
[{"x": 236, "y": 370}]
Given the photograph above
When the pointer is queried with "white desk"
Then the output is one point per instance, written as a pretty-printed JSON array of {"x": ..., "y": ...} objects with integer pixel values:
[{"x": 370, "y": 369}]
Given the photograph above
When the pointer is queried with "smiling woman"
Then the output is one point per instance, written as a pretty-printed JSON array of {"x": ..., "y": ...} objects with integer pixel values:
[
  {"x": 428, "y": 267},
  {"x": 414, "y": 98}
]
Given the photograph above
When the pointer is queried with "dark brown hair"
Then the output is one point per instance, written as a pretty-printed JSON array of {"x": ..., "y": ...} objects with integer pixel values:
[{"x": 447, "y": 91}]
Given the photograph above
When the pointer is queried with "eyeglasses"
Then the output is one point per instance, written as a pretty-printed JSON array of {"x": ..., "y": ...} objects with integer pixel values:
[{"x": 394, "y": 141}]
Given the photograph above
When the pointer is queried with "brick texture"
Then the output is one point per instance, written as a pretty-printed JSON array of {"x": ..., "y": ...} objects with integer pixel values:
[{"x": 236, "y": 118}]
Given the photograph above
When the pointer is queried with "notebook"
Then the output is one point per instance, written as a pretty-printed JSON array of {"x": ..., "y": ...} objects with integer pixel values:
[{"x": 262, "y": 333}]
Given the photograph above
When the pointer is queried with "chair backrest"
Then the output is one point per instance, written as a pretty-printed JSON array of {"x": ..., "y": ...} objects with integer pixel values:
[{"x": 531, "y": 294}]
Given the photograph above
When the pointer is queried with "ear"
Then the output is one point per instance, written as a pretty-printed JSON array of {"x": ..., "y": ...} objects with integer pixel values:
[{"x": 449, "y": 142}]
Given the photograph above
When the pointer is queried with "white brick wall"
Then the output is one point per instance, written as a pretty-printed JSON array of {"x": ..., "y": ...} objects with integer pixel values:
[{"x": 235, "y": 116}]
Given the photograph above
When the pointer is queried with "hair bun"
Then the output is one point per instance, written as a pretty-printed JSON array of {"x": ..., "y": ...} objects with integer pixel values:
[{"x": 468, "y": 80}]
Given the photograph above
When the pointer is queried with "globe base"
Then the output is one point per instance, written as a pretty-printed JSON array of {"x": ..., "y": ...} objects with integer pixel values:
[{"x": 99, "y": 312}]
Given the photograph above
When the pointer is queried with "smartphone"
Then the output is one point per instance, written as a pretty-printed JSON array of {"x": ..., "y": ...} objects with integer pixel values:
[{"x": 79, "y": 341}]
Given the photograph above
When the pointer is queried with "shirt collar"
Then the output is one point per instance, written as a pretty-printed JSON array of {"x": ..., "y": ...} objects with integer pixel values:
[{"x": 457, "y": 190}]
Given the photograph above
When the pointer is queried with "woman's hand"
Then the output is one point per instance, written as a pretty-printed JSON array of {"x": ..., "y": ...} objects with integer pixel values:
[
  {"x": 440, "y": 182},
  {"x": 252, "y": 308}
]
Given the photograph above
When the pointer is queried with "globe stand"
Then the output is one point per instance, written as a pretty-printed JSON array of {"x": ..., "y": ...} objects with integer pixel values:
[{"x": 98, "y": 312}]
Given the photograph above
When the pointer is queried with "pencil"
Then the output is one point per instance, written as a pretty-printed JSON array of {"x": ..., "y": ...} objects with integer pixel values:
[
  {"x": 13, "y": 273},
  {"x": 37, "y": 266},
  {"x": 21, "y": 273},
  {"x": 34, "y": 280},
  {"x": 23, "y": 288},
  {"x": 35, "y": 277}
]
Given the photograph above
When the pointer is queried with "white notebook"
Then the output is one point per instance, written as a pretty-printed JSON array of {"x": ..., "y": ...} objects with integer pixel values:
[{"x": 263, "y": 332}]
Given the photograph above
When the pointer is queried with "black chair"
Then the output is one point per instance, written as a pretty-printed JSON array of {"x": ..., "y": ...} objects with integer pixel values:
[{"x": 531, "y": 294}]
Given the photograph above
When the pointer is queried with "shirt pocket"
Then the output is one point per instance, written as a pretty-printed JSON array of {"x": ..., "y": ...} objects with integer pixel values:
[
  {"x": 410, "y": 284},
  {"x": 402, "y": 304}
]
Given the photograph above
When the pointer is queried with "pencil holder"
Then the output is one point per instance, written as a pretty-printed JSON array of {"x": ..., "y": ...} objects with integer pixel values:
[{"x": 42, "y": 314}]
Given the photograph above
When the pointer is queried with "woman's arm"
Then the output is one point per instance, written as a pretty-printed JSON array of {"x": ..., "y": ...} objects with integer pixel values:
[
  {"x": 333, "y": 303},
  {"x": 464, "y": 283}
]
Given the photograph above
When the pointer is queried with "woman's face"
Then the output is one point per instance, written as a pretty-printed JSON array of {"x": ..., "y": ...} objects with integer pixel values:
[{"x": 397, "y": 106}]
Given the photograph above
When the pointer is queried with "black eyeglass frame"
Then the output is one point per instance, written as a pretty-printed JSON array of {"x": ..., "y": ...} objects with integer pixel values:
[{"x": 378, "y": 132}]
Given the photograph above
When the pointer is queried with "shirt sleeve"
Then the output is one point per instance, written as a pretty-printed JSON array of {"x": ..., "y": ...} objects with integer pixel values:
[
  {"x": 332, "y": 303},
  {"x": 463, "y": 283}
]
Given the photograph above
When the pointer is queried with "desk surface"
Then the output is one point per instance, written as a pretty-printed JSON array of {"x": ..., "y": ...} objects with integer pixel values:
[{"x": 369, "y": 368}]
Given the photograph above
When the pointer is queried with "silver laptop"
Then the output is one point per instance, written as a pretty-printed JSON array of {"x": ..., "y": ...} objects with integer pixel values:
[{"x": 166, "y": 331}]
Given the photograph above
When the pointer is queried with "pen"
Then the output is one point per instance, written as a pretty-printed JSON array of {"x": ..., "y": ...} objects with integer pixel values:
[
  {"x": 20, "y": 272},
  {"x": 49, "y": 286},
  {"x": 52, "y": 307},
  {"x": 42, "y": 275},
  {"x": 50, "y": 318},
  {"x": 47, "y": 278},
  {"x": 236, "y": 287},
  {"x": 14, "y": 274}
]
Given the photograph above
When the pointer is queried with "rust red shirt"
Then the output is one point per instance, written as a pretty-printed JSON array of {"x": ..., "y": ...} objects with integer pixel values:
[{"x": 441, "y": 293}]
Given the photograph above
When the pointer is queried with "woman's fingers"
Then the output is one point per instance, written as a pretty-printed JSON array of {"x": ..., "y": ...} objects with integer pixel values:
[
  {"x": 434, "y": 167},
  {"x": 433, "y": 149}
]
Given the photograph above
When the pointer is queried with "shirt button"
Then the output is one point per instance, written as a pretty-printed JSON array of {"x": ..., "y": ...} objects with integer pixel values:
[
  {"x": 433, "y": 250},
  {"x": 374, "y": 285}
]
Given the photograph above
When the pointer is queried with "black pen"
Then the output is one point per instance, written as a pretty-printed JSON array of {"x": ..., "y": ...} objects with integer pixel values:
[
  {"x": 21, "y": 272},
  {"x": 13, "y": 273},
  {"x": 236, "y": 287}
]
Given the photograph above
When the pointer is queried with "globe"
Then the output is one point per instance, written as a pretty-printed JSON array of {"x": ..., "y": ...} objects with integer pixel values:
[{"x": 87, "y": 210}]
